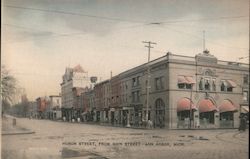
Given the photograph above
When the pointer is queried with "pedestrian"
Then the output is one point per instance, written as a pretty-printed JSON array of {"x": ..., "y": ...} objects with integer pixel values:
[{"x": 243, "y": 123}]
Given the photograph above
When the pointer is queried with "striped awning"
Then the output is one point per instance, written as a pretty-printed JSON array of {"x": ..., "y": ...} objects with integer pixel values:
[
  {"x": 227, "y": 106},
  {"x": 206, "y": 105},
  {"x": 185, "y": 104},
  {"x": 186, "y": 80},
  {"x": 231, "y": 83}
]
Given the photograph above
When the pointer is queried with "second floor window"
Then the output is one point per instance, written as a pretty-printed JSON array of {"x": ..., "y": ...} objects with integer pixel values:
[
  {"x": 159, "y": 83},
  {"x": 136, "y": 96},
  {"x": 245, "y": 79},
  {"x": 207, "y": 84},
  {"x": 245, "y": 96},
  {"x": 136, "y": 81},
  {"x": 185, "y": 82},
  {"x": 227, "y": 85}
]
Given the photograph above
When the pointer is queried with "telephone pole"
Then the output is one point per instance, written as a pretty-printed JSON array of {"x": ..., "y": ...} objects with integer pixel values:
[{"x": 149, "y": 43}]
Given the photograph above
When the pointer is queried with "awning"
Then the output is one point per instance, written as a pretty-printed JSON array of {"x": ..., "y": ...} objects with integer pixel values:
[
  {"x": 182, "y": 80},
  {"x": 186, "y": 80},
  {"x": 206, "y": 105},
  {"x": 244, "y": 109},
  {"x": 190, "y": 79},
  {"x": 184, "y": 104},
  {"x": 227, "y": 106},
  {"x": 231, "y": 83}
]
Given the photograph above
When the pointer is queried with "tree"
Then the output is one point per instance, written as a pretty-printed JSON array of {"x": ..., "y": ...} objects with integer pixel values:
[{"x": 8, "y": 88}]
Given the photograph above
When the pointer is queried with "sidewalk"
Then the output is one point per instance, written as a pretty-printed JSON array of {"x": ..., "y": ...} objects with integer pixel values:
[{"x": 8, "y": 128}]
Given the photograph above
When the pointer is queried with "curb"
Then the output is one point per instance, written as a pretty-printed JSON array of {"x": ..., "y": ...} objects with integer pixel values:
[{"x": 18, "y": 133}]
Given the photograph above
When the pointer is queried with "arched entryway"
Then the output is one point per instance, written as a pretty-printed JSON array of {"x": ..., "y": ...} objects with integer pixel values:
[
  {"x": 159, "y": 119},
  {"x": 207, "y": 111},
  {"x": 227, "y": 110},
  {"x": 185, "y": 111}
]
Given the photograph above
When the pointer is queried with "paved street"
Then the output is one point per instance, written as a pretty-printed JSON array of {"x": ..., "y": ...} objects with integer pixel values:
[{"x": 73, "y": 140}]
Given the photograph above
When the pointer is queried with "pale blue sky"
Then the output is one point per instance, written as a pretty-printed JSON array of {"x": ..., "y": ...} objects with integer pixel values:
[{"x": 42, "y": 37}]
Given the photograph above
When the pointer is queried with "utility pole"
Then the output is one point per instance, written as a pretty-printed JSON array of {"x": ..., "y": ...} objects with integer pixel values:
[{"x": 149, "y": 43}]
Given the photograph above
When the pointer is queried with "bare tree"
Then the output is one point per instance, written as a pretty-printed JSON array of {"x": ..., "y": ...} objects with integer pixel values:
[{"x": 8, "y": 88}]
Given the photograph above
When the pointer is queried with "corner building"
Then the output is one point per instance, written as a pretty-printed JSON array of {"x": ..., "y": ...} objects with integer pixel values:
[
  {"x": 184, "y": 92},
  {"x": 74, "y": 81}
]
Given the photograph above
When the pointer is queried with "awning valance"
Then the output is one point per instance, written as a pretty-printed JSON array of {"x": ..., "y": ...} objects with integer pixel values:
[
  {"x": 184, "y": 104},
  {"x": 206, "y": 105},
  {"x": 227, "y": 106}
]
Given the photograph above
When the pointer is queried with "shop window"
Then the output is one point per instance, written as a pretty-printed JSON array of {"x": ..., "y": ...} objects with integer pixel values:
[
  {"x": 207, "y": 117},
  {"x": 226, "y": 116}
]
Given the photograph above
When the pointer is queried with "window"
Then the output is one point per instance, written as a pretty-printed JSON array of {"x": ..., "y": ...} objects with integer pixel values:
[
  {"x": 181, "y": 85},
  {"x": 245, "y": 79},
  {"x": 159, "y": 83},
  {"x": 245, "y": 96},
  {"x": 201, "y": 84},
  {"x": 136, "y": 96},
  {"x": 136, "y": 81},
  {"x": 188, "y": 86},
  {"x": 223, "y": 86},
  {"x": 227, "y": 85},
  {"x": 185, "y": 82},
  {"x": 229, "y": 89},
  {"x": 214, "y": 84},
  {"x": 207, "y": 84}
]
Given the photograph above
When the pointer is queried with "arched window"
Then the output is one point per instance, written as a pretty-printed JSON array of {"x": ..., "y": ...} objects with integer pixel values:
[{"x": 159, "y": 113}]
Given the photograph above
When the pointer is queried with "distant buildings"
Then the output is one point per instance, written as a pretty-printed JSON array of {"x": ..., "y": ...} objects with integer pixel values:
[
  {"x": 54, "y": 108},
  {"x": 42, "y": 105}
]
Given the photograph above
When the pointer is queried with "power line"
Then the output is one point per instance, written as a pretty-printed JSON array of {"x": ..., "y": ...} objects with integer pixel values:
[
  {"x": 205, "y": 19},
  {"x": 76, "y": 14},
  {"x": 126, "y": 20},
  {"x": 198, "y": 37}
]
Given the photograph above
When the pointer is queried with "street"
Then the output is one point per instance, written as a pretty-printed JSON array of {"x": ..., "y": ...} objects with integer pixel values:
[{"x": 56, "y": 139}]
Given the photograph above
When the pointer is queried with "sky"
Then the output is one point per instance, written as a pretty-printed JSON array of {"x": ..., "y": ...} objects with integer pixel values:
[{"x": 40, "y": 38}]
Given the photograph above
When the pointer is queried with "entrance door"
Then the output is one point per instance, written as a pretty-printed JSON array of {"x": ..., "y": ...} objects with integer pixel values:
[{"x": 159, "y": 119}]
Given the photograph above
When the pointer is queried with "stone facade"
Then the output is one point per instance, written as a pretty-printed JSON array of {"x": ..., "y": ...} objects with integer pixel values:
[{"x": 184, "y": 92}]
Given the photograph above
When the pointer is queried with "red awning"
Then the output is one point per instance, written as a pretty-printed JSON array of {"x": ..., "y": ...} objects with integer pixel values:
[
  {"x": 227, "y": 106},
  {"x": 231, "y": 83},
  {"x": 182, "y": 79},
  {"x": 190, "y": 79},
  {"x": 206, "y": 105},
  {"x": 184, "y": 104}
]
